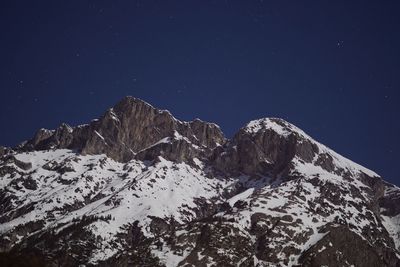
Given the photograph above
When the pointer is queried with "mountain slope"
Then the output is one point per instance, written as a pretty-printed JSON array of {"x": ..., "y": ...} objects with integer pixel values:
[{"x": 140, "y": 188}]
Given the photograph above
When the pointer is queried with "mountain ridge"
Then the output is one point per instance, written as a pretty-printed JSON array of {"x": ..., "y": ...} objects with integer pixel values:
[
  {"x": 114, "y": 127},
  {"x": 138, "y": 187},
  {"x": 278, "y": 124}
]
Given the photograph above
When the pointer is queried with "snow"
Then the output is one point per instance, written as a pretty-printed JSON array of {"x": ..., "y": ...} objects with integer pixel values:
[
  {"x": 168, "y": 257},
  {"x": 242, "y": 196},
  {"x": 69, "y": 128},
  {"x": 165, "y": 140},
  {"x": 178, "y": 136},
  {"x": 198, "y": 162},
  {"x": 169, "y": 139},
  {"x": 136, "y": 190},
  {"x": 99, "y": 135},
  {"x": 162, "y": 190},
  {"x": 113, "y": 115},
  {"x": 392, "y": 225},
  {"x": 284, "y": 129}
]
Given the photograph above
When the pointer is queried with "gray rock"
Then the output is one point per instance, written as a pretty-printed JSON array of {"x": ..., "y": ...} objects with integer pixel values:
[
  {"x": 126, "y": 129},
  {"x": 265, "y": 152},
  {"x": 220, "y": 232},
  {"x": 176, "y": 151},
  {"x": 5, "y": 151},
  {"x": 342, "y": 247},
  {"x": 12, "y": 159}
]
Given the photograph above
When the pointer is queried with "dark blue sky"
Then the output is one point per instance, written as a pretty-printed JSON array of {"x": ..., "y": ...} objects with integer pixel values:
[{"x": 330, "y": 67}]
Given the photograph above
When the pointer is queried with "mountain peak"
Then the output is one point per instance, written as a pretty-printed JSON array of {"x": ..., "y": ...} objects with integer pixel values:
[
  {"x": 265, "y": 145},
  {"x": 132, "y": 125},
  {"x": 130, "y": 104},
  {"x": 138, "y": 187},
  {"x": 277, "y": 125}
]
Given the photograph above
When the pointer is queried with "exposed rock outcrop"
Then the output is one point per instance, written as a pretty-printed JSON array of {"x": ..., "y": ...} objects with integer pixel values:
[
  {"x": 128, "y": 128},
  {"x": 12, "y": 159},
  {"x": 342, "y": 247},
  {"x": 266, "y": 147},
  {"x": 138, "y": 187}
]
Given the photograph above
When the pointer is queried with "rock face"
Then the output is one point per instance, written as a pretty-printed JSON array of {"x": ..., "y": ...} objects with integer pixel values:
[
  {"x": 138, "y": 187},
  {"x": 269, "y": 146},
  {"x": 341, "y": 245},
  {"x": 126, "y": 129},
  {"x": 258, "y": 148}
]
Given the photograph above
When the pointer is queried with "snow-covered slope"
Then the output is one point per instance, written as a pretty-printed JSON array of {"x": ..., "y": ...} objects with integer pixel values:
[
  {"x": 270, "y": 196},
  {"x": 66, "y": 187}
]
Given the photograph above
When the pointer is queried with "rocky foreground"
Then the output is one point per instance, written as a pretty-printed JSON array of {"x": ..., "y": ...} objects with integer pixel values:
[{"x": 137, "y": 187}]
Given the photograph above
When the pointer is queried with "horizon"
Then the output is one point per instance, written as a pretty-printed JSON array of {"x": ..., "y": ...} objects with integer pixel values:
[
  {"x": 331, "y": 69},
  {"x": 227, "y": 137}
]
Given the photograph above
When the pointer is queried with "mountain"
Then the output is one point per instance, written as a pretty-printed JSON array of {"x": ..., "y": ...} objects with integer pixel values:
[{"x": 138, "y": 187}]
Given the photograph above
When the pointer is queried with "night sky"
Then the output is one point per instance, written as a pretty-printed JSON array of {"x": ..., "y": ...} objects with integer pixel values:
[{"x": 330, "y": 67}]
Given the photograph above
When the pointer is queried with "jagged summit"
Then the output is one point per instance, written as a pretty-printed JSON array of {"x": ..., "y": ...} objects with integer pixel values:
[
  {"x": 138, "y": 187},
  {"x": 132, "y": 125},
  {"x": 275, "y": 124},
  {"x": 135, "y": 129},
  {"x": 306, "y": 148}
]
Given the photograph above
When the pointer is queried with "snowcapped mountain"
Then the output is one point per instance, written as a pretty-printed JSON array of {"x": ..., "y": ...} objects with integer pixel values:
[{"x": 137, "y": 187}]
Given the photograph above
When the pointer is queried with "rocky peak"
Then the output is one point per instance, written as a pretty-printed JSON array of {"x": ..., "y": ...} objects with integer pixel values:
[
  {"x": 273, "y": 147},
  {"x": 265, "y": 146},
  {"x": 296, "y": 142},
  {"x": 285, "y": 200},
  {"x": 135, "y": 129},
  {"x": 130, "y": 127}
]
